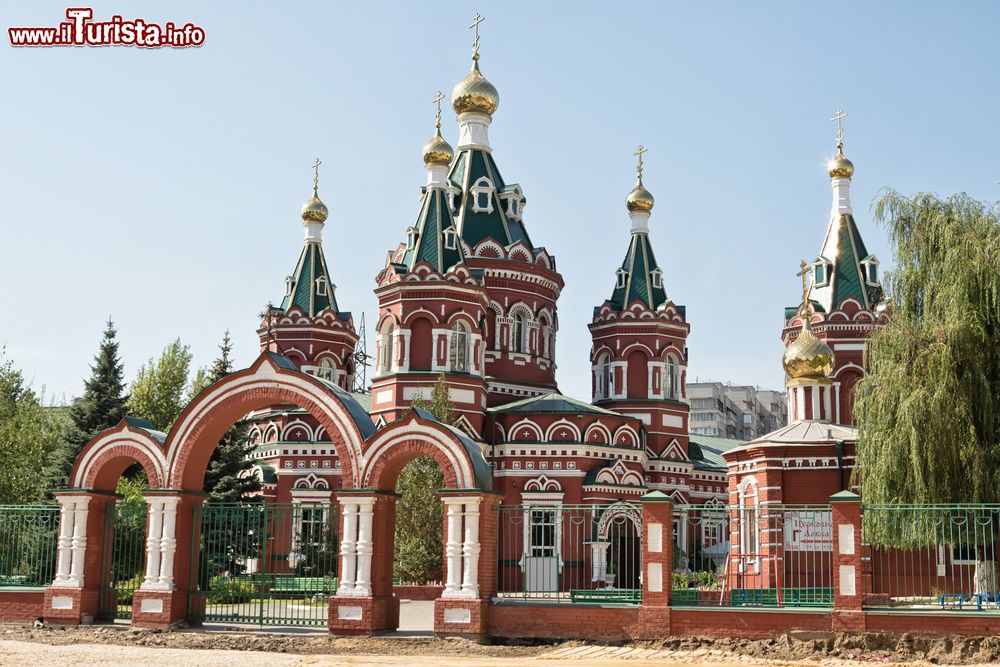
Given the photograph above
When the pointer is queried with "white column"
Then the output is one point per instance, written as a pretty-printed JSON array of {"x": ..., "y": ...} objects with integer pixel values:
[
  {"x": 67, "y": 517},
  {"x": 599, "y": 559},
  {"x": 153, "y": 534},
  {"x": 363, "y": 577},
  {"x": 800, "y": 402},
  {"x": 453, "y": 549},
  {"x": 348, "y": 549},
  {"x": 79, "y": 542},
  {"x": 815, "y": 402},
  {"x": 168, "y": 542},
  {"x": 470, "y": 549}
]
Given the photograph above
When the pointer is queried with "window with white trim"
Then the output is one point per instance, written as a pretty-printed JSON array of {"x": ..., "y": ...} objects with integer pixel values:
[
  {"x": 518, "y": 331},
  {"x": 450, "y": 238},
  {"x": 289, "y": 282},
  {"x": 326, "y": 369},
  {"x": 411, "y": 238},
  {"x": 657, "y": 276},
  {"x": 482, "y": 195},
  {"x": 458, "y": 354},
  {"x": 322, "y": 287},
  {"x": 542, "y": 532},
  {"x": 385, "y": 349},
  {"x": 620, "y": 276}
]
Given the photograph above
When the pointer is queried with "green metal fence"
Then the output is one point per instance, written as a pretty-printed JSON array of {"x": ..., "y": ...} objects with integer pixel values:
[
  {"x": 753, "y": 555},
  {"x": 123, "y": 559},
  {"x": 266, "y": 563},
  {"x": 29, "y": 538},
  {"x": 570, "y": 554},
  {"x": 932, "y": 557}
]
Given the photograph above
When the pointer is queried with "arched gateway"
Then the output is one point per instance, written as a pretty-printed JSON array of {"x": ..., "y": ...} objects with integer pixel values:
[{"x": 371, "y": 460}]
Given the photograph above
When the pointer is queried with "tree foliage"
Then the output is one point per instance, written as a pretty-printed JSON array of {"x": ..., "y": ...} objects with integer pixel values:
[
  {"x": 159, "y": 391},
  {"x": 101, "y": 406},
  {"x": 29, "y": 432},
  {"x": 928, "y": 409},
  {"x": 228, "y": 477},
  {"x": 418, "y": 510}
]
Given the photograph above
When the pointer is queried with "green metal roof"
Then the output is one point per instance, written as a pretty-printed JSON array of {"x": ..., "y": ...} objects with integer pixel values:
[
  {"x": 432, "y": 222},
  {"x": 471, "y": 165},
  {"x": 305, "y": 287},
  {"x": 844, "y": 248},
  {"x": 553, "y": 403},
  {"x": 705, "y": 451},
  {"x": 638, "y": 267}
]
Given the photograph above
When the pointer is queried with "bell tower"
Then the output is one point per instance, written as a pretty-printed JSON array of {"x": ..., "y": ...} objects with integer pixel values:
[{"x": 639, "y": 353}]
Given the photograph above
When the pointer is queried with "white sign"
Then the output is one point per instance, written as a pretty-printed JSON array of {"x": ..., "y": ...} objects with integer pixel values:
[{"x": 808, "y": 531}]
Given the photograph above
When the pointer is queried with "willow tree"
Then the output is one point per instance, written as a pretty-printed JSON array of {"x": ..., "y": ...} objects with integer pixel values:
[{"x": 928, "y": 408}]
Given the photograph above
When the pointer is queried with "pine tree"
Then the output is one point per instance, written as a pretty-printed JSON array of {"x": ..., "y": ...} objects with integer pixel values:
[
  {"x": 928, "y": 409},
  {"x": 101, "y": 406},
  {"x": 228, "y": 477},
  {"x": 158, "y": 392},
  {"x": 418, "y": 510}
]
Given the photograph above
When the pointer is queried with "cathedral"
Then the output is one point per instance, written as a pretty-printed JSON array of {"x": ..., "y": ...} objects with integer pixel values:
[{"x": 468, "y": 297}]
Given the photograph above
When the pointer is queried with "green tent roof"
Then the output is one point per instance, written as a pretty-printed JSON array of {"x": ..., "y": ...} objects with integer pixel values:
[
  {"x": 638, "y": 269},
  {"x": 311, "y": 288},
  {"x": 434, "y": 224},
  {"x": 471, "y": 165}
]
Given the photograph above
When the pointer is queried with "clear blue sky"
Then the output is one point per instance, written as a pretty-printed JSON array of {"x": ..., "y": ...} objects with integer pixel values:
[{"x": 162, "y": 187}]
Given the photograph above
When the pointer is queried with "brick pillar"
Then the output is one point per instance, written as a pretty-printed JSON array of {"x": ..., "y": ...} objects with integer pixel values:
[
  {"x": 74, "y": 596},
  {"x": 466, "y": 613},
  {"x": 657, "y": 566},
  {"x": 848, "y": 570},
  {"x": 366, "y": 606},
  {"x": 174, "y": 597}
]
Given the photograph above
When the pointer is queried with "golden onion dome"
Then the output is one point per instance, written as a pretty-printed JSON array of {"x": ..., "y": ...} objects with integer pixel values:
[
  {"x": 437, "y": 150},
  {"x": 474, "y": 93},
  {"x": 640, "y": 199},
  {"x": 314, "y": 210},
  {"x": 840, "y": 166},
  {"x": 808, "y": 356}
]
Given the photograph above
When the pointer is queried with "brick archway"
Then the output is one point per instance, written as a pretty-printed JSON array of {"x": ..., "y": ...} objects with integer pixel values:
[
  {"x": 271, "y": 380},
  {"x": 394, "y": 447},
  {"x": 103, "y": 460}
]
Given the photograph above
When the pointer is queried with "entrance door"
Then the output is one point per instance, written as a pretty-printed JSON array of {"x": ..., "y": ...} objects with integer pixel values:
[
  {"x": 266, "y": 563},
  {"x": 541, "y": 558},
  {"x": 124, "y": 558}
]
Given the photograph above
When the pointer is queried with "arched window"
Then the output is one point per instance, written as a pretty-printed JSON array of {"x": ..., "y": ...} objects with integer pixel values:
[
  {"x": 749, "y": 526},
  {"x": 518, "y": 331},
  {"x": 458, "y": 353},
  {"x": 385, "y": 349},
  {"x": 604, "y": 377},
  {"x": 673, "y": 380},
  {"x": 326, "y": 369}
]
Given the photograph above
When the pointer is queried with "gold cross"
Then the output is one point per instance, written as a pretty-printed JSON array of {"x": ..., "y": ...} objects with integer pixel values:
[
  {"x": 804, "y": 274},
  {"x": 476, "y": 20},
  {"x": 638, "y": 152},
  {"x": 316, "y": 165},
  {"x": 437, "y": 101},
  {"x": 837, "y": 117}
]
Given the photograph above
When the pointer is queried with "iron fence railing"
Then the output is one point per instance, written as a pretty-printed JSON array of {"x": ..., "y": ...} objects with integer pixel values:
[
  {"x": 570, "y": 554},
  {"x": 29, "y": 537},
  {"x": 266, "y": 563},
  {"x": 752, "y": 555},
  {"x": 932, "y": 557}
]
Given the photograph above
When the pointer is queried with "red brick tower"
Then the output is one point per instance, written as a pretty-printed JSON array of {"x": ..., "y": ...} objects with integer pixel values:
[
  {"x": 846, "y": 292},
  {"x": 432, "y": 308},
  {"x": 639, "y": 352}
]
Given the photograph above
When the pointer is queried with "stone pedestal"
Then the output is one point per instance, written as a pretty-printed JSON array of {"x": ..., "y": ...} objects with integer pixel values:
[
  {"x": 363, "y": 615},
  {"x": 462, "y": 618}
]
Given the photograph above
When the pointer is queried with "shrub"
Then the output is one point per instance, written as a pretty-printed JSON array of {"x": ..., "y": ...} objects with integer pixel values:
[{"x": 226, "y": 590}]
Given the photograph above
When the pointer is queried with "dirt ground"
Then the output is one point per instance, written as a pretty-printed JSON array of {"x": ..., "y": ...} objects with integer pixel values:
[{"x": 117, "y": 645}]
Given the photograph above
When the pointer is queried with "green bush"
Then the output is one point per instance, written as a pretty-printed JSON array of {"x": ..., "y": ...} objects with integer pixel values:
[
  {"x": 705, "y": 580},
  {"x": 681, "y": 580},
  {"x": 125, "y": 589},
  {"x": 226, "y": 590}
]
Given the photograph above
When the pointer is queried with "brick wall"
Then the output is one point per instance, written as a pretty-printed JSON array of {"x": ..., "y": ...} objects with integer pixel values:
[
  {"x": 562, "y": 621},
  {"x": 21, "y": 606}
]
